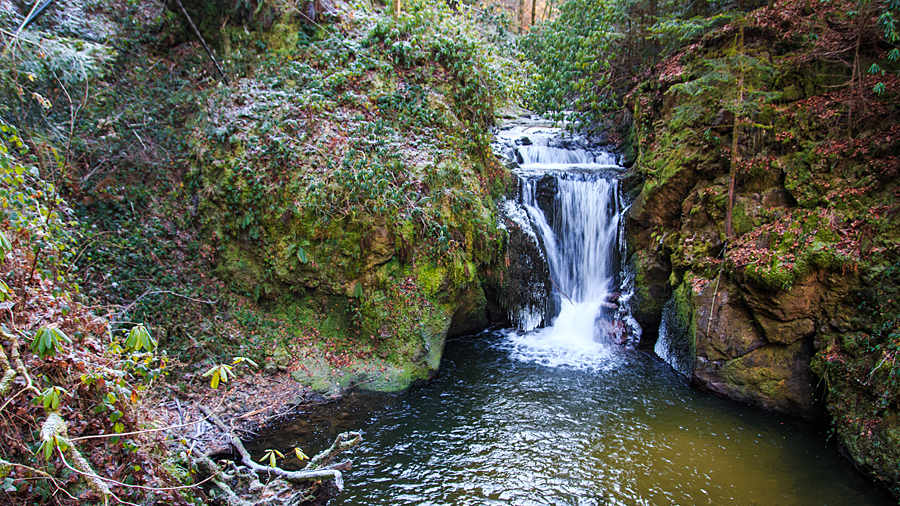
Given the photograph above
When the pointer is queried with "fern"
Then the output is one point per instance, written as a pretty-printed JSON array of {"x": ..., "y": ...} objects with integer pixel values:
[{"x": 674, "y": 33}]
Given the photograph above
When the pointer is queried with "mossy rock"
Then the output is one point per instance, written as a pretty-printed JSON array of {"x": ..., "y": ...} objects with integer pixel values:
[{"x": 652, "y": 290}]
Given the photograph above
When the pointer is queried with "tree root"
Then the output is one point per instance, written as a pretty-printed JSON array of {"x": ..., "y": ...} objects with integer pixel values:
[
  {"x": 9, "y": 374},
  {"x": 55, "y": 427},
  {"x": 287, "y": 487},
  {"x": 20, "y": 366},
  {"x": 343, "y": 441},
  {"x": 206, "y": 466}
]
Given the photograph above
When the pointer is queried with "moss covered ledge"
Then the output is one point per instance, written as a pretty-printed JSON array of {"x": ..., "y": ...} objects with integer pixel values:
[{"x": 348, "y": 189}]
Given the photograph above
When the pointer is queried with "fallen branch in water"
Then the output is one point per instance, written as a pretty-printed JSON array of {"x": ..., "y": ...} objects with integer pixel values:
[{"x": 316, "y": 465}]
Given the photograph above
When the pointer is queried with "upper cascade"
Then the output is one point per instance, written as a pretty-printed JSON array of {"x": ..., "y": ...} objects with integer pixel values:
[
  {"x": 549, "y": 156},
  {"x": 540, "y": 147}
]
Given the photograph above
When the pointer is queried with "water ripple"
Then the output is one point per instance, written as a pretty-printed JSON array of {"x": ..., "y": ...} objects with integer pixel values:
[{"x": 493, "y": 429}]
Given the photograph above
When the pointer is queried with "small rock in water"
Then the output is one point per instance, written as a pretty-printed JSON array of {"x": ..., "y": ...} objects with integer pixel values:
[{"x": 615, "y": 331}]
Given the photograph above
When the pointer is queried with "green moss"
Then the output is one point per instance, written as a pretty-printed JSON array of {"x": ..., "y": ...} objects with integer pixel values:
[
  {"x": 684, "y": 308},
  {"x": 431, "y": 277},
  {"x": 683, "y": 298},
  {"x": 648, "y": 303},
  {"x": 753, "y": 381},
  {"x": 240, "y": 268},
  {"x": 813, "y": 194},
  {"x": 741, "y": 221}
]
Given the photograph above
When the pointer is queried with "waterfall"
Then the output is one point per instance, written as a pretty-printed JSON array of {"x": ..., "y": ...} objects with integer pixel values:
[
  {"x": 570, "y": 195},
  {"x": 579, "y": 237},
  {"x": 550, "y": 157},
  {"x": 674, "y": 345}
]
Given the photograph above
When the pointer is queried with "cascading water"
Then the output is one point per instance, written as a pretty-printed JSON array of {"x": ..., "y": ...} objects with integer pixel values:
[
  {"x": 673, "y": 345},
  {"x": 571, "y": 198}
]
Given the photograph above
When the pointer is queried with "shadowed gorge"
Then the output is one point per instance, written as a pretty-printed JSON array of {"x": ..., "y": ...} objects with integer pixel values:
[{"x": 283, "y": 253}]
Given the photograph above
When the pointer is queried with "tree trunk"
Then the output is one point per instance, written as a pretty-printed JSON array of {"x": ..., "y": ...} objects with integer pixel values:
[
  {"x": 735, "y": 160},
  {"x": 521, "y": 16},
  {"x": 54, "y": 428},
  {"x": 735, "y": 147}
]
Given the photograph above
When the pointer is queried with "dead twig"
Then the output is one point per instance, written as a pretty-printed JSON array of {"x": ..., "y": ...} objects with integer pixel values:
[
  {"x": 129, "y": 307},
  {"x": 560, "y": 291},
  {"x": 202, "y": 41}
]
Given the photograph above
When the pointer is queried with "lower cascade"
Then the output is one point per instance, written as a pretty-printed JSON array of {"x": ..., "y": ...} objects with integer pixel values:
[{"x": 570, "y": 204}]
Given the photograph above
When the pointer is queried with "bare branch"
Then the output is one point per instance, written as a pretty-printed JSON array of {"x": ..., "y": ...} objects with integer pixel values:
[{"x": 343, "y": 441}]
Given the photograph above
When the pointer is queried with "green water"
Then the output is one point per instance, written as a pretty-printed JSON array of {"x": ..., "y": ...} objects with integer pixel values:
[{"x": 494, "y": 429}]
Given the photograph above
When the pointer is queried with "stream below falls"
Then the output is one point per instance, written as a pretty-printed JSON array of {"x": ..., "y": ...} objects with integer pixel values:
[
  {"x": 566, "y": 413},
  {"x": 496, "y": 428}
]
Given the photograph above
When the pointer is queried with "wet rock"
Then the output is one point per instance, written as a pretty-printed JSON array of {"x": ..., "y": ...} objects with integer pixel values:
[
  {"x": 774, "y": 377},
  {"x": 724, "y": 325},
  {"x": 614, "y": 331},
  {"x": 659, "y": 205},
  {"x": 786, "y": 332},
  {"x": 524, "y": 288},
  {"x": 470, "y": 315},
  {"x": 652, "y": 290},
  {"x": 547, "y": 189}
]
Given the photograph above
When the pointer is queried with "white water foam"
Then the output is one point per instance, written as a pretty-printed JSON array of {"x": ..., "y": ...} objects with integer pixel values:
[{"x": 569, "y": 342}]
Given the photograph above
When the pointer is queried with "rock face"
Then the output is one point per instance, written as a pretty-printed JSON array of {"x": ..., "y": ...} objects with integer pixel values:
[
  {"x": 524, "y": 286},
  {"x": 783, "y": 295},
  {"x": 756, "y": 346}
]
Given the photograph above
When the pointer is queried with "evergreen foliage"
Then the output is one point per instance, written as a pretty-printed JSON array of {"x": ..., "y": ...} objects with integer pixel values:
[
  {"x": 591, "y": 55},
  {"x": 770, "y": 159}
]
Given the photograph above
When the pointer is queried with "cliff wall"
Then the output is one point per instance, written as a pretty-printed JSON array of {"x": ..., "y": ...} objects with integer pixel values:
[{"x": 769, "y": 216}]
